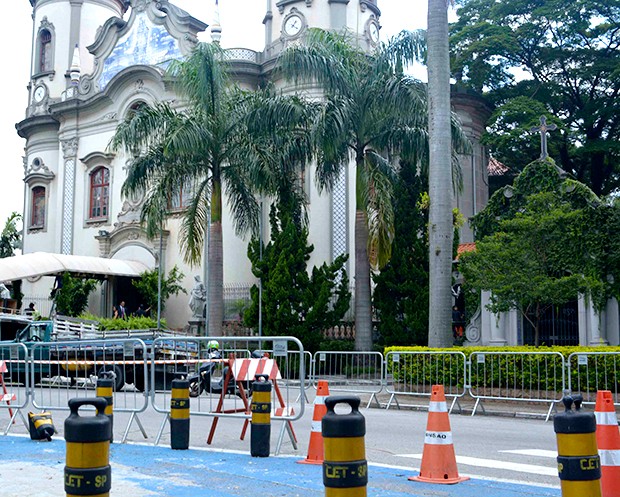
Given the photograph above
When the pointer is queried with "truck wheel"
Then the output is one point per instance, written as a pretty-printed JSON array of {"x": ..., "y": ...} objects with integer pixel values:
[
  {"x": 139, "y": 381},
  {"x": 117, "y": 373}
]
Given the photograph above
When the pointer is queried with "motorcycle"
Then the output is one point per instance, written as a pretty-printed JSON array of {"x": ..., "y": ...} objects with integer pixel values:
[{"x": 205, "y": 381}]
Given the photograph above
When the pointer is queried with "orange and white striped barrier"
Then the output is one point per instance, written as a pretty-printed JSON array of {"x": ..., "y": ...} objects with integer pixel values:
[
  {"x": 315, "y": 447},
  {"x": 247, "y": 369},
  {"x": 608, "y": 441},
  {"x": 438, "y": 458}
]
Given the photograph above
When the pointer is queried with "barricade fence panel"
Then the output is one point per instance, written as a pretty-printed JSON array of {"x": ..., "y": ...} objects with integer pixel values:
[
  {"x": 345, "y": 371},
  {"x": 589, "y": 372},
  {"x": 414, "y": 373},
  {"x": 220, "y": 379},
  {"x": 14, "y": 369},
  {"x": 63, "y": 370},
  {"x": 525, "y": 376}
]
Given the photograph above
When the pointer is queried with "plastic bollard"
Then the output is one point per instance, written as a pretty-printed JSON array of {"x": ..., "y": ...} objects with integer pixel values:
[
  {"x": 260, "y": 432},
  {"x": 87, "y": 470},
  {"x": 579, "y": 465},
  {"x": 345, "y": 470},
  {"x": 105, "y": 386},
  {"x": 179, "y": 415}
]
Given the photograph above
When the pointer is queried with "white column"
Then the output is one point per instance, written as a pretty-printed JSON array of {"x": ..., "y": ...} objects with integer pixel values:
[{"x": 612, "y": 322}]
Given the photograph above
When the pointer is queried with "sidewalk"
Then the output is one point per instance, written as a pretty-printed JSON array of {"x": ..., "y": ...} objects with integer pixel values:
[{"x": 36, "y": 469}]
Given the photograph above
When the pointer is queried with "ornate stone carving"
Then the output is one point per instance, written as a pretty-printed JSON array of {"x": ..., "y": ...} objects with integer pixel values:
[
  {"x": 69, "y": 148},
  {"x": 37, "y": 171}
]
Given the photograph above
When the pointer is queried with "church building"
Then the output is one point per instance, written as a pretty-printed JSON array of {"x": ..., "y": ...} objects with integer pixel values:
[{"x": 94, "y": 61}]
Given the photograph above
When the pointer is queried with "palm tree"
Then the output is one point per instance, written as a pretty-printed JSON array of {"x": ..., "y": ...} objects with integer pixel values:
[
  {"x": 440, "y": 176},
  {"x": 372, "y": 114},
  {"x": 196, "y": 146}
]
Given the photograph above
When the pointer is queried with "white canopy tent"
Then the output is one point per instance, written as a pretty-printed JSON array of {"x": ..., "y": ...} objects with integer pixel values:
[{"x": 46, "y": 264}]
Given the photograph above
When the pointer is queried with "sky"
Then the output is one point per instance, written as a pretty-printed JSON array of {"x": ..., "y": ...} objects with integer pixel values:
[{"x": 241, "y": 22}]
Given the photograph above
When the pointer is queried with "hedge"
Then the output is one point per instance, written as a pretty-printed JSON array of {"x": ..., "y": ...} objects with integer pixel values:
[{"x": 526, "y": 371}]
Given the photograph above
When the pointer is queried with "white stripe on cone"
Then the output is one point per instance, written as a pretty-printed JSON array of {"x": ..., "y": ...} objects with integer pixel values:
[
  {"x": 609, "y": 457},
  {"x": 316, "y": 426},
  {"x": 319, "y": 399},
  {"x": 438, "y": 438},
  {"x": 606, "y": 418},
  {"x": 437, "y": 406}
]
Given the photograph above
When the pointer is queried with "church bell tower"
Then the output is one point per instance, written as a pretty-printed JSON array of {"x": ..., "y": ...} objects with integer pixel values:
[{"x": 287, "y": 21}]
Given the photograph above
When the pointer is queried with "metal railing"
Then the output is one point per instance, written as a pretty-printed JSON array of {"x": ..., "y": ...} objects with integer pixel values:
[
  {"x": 13, "y": 381},
  {"x": 357, "y": 372},
  {"x": 517, "y": 376},
  {"x": 589, "y": 372},
  {"x": 413, "y": 373}
]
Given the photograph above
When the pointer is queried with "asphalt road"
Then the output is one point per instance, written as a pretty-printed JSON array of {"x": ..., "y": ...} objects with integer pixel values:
[{"x": 509, "y": 449}]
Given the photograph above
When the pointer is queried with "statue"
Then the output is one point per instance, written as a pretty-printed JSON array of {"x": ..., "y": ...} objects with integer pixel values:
[{"x": 198, "y": 299}]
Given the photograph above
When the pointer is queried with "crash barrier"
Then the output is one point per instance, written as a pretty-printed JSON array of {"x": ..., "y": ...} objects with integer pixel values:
[
  {"x": 87, "y": 469},
  {"x": 413, "y": 373},
  {"x": 516, "y": 376},
  {"x": 351, "y": 372},
  {"x": 179, "y": 414},
  {"x": 220, "y": 380},
  {"x": 260, "y": 431},
  {"x": 41, "y": 426},
  {"x": 13, "y": 382},
  {"x": 345, "y": 469},
  {"x": 589, "y": 372},
  {"x": 579, "y": 465},
  {"x": 60, "y": 371}
]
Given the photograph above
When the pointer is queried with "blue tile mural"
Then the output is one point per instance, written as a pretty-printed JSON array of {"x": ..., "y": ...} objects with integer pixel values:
[{"x": 145, "y": 43}]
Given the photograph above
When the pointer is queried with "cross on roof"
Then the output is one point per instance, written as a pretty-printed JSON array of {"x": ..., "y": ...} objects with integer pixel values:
[{"x": 542, "y": 129}]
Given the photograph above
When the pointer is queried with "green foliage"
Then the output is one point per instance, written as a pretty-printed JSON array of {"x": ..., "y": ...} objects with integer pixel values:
[
  {"x": 337, "y": 345},
  {"x": 565, "y": 52},
  {"x": 131, "y": 323},
  {"x": 147, "y": 286},
  {"x": 295, "y": 303},
  {"x": 400, "y": 297},
  {"x": 11, "y": 237},
  {"x": 71, "y": 297}
]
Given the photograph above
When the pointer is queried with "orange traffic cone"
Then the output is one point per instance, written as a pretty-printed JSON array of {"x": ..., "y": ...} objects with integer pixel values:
[
  {"x": 608, "y": 441},
  {"x": 438, "y": 459},
  {"x": 315, "y": 448}
]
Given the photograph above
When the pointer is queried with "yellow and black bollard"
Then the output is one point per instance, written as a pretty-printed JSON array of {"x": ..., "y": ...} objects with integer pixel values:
[
  {"x": 579, "y": 466},
  {"x": 105, "y": 386},
  {"x": 179, "y": 415},
  {"x": 345, "y": 470},
  {"x": 87, "y": 470},
  {"x": 260, "y": 433},
  {"x": 41, "y": 426}
]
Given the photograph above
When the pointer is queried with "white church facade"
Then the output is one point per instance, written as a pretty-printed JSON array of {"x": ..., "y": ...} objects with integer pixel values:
[{"x": 93, "y": 61}]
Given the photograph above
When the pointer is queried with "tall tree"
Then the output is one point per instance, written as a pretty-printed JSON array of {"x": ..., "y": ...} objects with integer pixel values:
[
  {"x": 372, "y": 112},
  {"x": 440, "y": 226},
  {"x": 11, "y": 237},
  {"x": 195, "y": 147},
  {"x": 558, "y": 55}
]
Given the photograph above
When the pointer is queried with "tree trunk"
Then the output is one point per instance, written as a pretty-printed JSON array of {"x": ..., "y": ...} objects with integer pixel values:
[
  {"x": 440, "y": 177},
  {"x": 363, "y": 317},
  {"x": 216, "y": 280},
  {"x": 216, "y": 260}
]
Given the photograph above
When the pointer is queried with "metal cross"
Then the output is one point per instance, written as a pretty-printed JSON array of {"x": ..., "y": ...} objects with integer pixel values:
[{"x": 542, "y": 129}]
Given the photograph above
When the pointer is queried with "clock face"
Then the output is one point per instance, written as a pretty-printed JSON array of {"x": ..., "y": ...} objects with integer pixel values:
[
  {"x": 39, "y": 93},
  {"x": 373, "y": 31},
  {"x": 293, "y": 25}
]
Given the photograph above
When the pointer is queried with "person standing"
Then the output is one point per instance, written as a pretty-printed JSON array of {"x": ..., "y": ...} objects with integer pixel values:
[{"x": 122, "y": 311}]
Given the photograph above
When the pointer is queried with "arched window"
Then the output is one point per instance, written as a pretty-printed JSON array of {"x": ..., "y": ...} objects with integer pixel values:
[
  {"x": 37, "y": 212},
  {"x": 99, "y": 193},
  {"x": 45, "y": 51}
]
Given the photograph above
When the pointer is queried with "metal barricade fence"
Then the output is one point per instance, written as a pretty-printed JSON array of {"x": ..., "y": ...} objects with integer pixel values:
[
  {"x": 14, "y": 369},
  {"x": 517, "y": 376},
  {"x": 358, "y": 372},
  {"x": 589, "y": 372},
  {"x": 63, "y": 370},
  {"x": 221, "y": 383},
  {"x": 414, "y": 373}
]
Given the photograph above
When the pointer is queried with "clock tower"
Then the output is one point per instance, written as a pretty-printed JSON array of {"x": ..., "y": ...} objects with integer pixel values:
[{"x": 287, "y": 21}]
